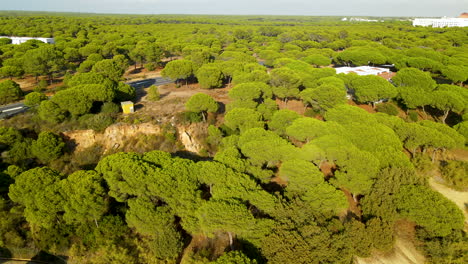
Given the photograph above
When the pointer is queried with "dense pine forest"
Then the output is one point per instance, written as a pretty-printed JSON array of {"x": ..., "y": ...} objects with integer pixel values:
[{"x": 288, "y": 161}]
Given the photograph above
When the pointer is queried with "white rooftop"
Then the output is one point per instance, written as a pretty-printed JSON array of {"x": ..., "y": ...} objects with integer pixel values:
[
  {"x": 362, "y": 70},
  {"x": 19, "y": 40}
]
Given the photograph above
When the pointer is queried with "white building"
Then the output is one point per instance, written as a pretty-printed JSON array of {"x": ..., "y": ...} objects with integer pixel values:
[
  {"x": 363, "y": 19},
  {"x": 441, "y": 22},
  {"x": 362, "y": 70},
  {"x": 19, "y": 40},
  {"x": 365, "y": 70}
]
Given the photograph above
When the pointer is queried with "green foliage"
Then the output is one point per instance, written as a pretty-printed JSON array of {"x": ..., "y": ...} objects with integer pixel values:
[
  {"x": 324, "y": 97},
  {"x": 411, "y": 77},
  {"x": 45, "y": 60},
  {"x": 306, "y": 128},
  {"x": 381, "y": 234},
  {"x": 317, "y": 60},
  {"x": 85, "y": 197},
  {"x": 11, "y": 71},
  {"x": 151, "y": 66},
  {"x": 458, "y": 140},
  {"x": 20, "y": 152},
  {"x": 9, "y": 135},
  {"x": 97, "y": 122},
  {"x": 361, "y": 56},
  {"x": 89, "y": 78},
  {"x": 157, "y": 223},
  {"x": 153, "y": 93},
  {"x": 37, "y": 190},
  {"x": 387, "y": 108},
  {"x": 34, "y": 99},
  {"x": 264, "y": 189},
  {"x": 209, "y": 76},
  {"x": 285, "y": 83},
  {"x": 455, "y": 73},
  {"x": 264, "y": 147},
  {"x": 430, "y": 210},
  {"x": 10, "y": 91},
  {"x": 47, "y": 147},
  {"x": 413, "y": 115},
  {"x": 110, "y": 108},
  {"x": 178, "y": 69},
  {"x": 447, "y": 101},
  {"x": 371, "y": 88},
  {"x": 225, "y": 215},
  {"x": 281, "y": 120},
  {"x": 454, "y": 173},
  {"x": 242, "y": 119},
  {"x": 109, "y": 69},
  {"x": 234, "y": 257},
  {"x": 74, "y": 101},
  {"x": 192, "y": 117},
  {"x": 462, "y": 129},
  {"x": 124, "y": 92},
  {"x": 96, "y": 92},
  {"x": 447, "y": 249},
  {"x": 300, "y": 175},
  {"x": 202, "y": 103},
  {"x": 51, "y": 112}
]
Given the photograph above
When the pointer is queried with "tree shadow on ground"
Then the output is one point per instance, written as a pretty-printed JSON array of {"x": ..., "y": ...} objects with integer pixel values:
[
  {"x": 191, "y": 156},
  {"x": 5, "y": 253},
  {"x": 221, "y": 108}
]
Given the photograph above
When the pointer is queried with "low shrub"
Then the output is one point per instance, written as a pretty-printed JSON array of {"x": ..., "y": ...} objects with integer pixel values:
[
  {"x": 96, "y": 122},
  {"x": 312, "y": 112},
  {"x": 389, "y": 109},
  {"x": 153, "y": 93},
  {"x": 454, "y": 173},
  {"x": 150, "y": 66},
  {"x": 413, "y": 115},
  {"x": 192, "y": 117},
  {"x": 110, "y": 108}
]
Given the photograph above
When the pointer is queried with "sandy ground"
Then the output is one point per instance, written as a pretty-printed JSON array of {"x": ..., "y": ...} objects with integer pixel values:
[
  {"x": 173, "y": 100},
  {"x": 403, "y": 252}
]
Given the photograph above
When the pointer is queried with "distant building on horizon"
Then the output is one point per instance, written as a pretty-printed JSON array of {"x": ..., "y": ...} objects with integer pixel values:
[
  {"x": 461, "y": 21},
  {"x": 19, "y": 40},
  {"x": 363, "y": 19}
]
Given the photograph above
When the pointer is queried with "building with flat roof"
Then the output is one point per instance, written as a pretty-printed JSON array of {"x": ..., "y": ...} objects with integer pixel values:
[
  {"x": 127, "y": 107},
  {"x": 19, "y": 40},
  {"x": 441, "y": 22},
  {"x": 362, "y": 70}
]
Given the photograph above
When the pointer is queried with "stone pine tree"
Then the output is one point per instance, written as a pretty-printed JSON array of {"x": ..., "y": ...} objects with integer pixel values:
[
  {"x": 202, "y": 103},
  {"x": 178, "y": 70}
]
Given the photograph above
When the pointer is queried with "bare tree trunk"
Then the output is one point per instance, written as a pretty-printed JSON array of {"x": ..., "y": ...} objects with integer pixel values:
[
  {"x": 424, "y": 110},
  {"x": 434, "y": 154},
  {"x": 95, "y": 221},
  {"x": 445, "y": 116},
  {"x": 230, "y": 241}
]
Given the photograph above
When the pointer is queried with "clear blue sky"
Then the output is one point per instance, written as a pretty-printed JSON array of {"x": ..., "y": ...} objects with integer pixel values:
[{"x": 241, "y": 7}]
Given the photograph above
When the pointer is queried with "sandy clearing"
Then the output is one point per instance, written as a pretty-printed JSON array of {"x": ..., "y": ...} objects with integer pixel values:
[{"x": 403, "y": 252}]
